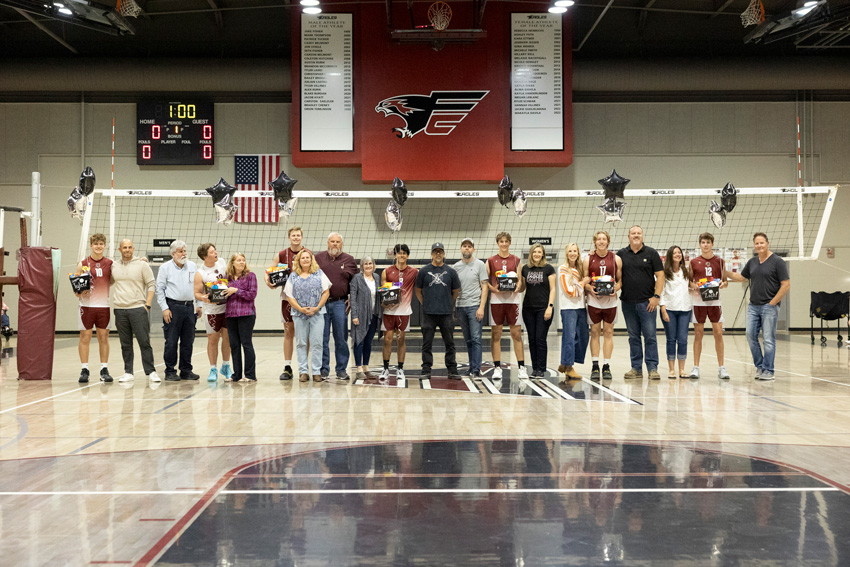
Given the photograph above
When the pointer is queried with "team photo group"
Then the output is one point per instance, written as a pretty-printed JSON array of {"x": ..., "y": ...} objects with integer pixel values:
[{"x": 330, "y": 292}]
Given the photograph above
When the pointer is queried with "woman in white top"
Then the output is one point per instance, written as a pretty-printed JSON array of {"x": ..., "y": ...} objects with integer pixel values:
[
  {"x": 574, "y": 338},
  {"x": 215, "y": 324},
  {"x": 365, "y": 314},
  {"x": 676, "y": 309}
]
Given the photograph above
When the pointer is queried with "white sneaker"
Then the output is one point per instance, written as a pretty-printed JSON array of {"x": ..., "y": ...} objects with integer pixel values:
[
  {"x": 497, "y": 373},
  {"x": 399, "y": 374},
  {"x": 522, "y": 373},
  {"x": 384, "y": 375},
  {"x": 722, "y": 374},
  {"x": 694, "y": 375},
  {"x": 154, "y": 377},
  {"x": 127, "y": 377}
]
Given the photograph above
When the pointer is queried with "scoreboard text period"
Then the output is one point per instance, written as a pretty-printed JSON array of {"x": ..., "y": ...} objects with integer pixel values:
[{"x": 174, "y": 133}]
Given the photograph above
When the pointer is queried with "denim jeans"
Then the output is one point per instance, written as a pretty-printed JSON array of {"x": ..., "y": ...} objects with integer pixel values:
[
  {"x": 574, "y": 336},
  {"x": 240, "y": 333},
  {"x": 537, "y": 328},
  {"x": 639, "y": 322},
  {"x": 309, "y": 330},
  {"x": 762, "y": 318},
  {"x": 676, "y": 332},
  {"x": 471, "y": 328},
  {"x": 363, "y": 350},
  {"x": 337, "y": 320}
]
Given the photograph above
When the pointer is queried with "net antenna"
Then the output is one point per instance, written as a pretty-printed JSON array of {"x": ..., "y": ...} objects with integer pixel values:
[
  {"x": 753, "y": 15},
  {"x": 128, "y": 8},
  {"x": 439, "y": 14}
]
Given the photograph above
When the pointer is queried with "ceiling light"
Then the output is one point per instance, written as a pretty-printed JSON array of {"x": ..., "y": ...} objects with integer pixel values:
[
  {"x": 59, "y": 4},
  {"x": 557, "y": 10},
  {"x": 312, "y": 10},
  {"x": 565, "y": 3},
  {"x": 309, "y": 2},
  {"x": 806, "y": 8},
  {"x": 66, "y": 11}
]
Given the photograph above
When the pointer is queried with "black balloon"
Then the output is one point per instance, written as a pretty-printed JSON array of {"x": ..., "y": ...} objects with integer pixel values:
[
  {"x": 399, "y": 192},
  {"x": 614, "y": 185},
  {"x": 282, "y": 187},
  {"x": 87, "y": 180},
  {"x": 612, "y": 210},
  {"x": 729, "y": 197},
  {"x": 717, "y": 214},
  {"x": 222, "y": 196},
  {"x": 505, "y": 192}
]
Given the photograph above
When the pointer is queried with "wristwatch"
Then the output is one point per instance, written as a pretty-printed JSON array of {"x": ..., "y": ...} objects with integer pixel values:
[{"x": 656, "y": 296}]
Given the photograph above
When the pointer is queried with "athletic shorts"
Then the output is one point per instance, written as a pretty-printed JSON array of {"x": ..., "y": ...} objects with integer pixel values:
[
  {"x": 504, "y": 314},
  {"x": 285, "y": 312},
  {"x": 97, "y": 317},
  {"x": 214, "y": 322},
  {"x": 714, "y": 313},
  {"x": 595, "y": 315},
  {"x": 396, "y": 323}
]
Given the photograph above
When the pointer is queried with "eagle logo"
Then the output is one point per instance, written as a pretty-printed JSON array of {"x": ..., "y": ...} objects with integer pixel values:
[{"x": 437, "y": 114}]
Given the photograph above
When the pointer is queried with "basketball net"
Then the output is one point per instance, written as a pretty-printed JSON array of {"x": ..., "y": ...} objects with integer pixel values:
[
  {"x": 754, "y": 14},
  {"x": 439, "y": 14},
  {"x": 128, "y": 8}
]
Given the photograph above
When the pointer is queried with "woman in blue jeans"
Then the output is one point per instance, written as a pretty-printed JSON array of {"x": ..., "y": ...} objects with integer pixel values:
[
  {"x": 676, "y": 308},
  {"x": 574, "y": 334},
  {"x": 365, "y": 314},
  {"x": 307, "y": 290}
]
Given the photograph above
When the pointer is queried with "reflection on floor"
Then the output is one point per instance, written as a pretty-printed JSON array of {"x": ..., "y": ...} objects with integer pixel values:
[{"x": 518, "y": 503}]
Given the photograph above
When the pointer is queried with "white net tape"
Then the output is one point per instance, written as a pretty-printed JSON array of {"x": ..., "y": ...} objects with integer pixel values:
[
  {"x": 129, "y": 9},
  {"x": 439, "y": 14},
  {"x": 754, "y": 14}
]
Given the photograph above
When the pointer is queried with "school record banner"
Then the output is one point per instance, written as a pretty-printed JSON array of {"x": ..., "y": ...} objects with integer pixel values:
[{"x": 426, "y": 115}]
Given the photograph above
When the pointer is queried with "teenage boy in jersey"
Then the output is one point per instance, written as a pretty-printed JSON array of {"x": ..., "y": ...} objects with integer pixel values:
[
  {"x": 212, "y": 269},
  {"x": 437, "y": 289},
  {"x": 94, "y": 307},
  {"x": 504, "y": 307},
  {"x": 471, "y": 302},
  {"x": 396, "y": 318},
  {"x": 602, "y": 309},
  {"x": 287, "y": 256},
  {"x": 769, "y": 282},
  {"x": 710, "y": 267},
  {"x": 643, "y": 282}
]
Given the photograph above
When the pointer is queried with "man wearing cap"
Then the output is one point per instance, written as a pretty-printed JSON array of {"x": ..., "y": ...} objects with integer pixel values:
[
  {"x": 437, "y": 288},
  {"x": 470, "y": 305}
]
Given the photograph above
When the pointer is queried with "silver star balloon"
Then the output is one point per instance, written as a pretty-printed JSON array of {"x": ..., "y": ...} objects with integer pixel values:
[
  {"x": 520, "y": 202},
  {"x": 224, "y": 212},
  {"x": 612, "y": 210},
  {"x": 717, "y": 214},
  {"x": 393, "y": 216},
  {"x": 288, "y": 207},
  {"x": 77, "y": 203}
]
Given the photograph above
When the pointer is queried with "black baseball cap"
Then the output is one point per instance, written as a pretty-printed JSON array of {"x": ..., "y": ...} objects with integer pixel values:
[{"x": 438, "y": 246}]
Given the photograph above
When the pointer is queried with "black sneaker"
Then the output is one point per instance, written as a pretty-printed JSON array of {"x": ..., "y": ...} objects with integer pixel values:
[
  {"x": 594, "y": 374},
  {"x": 287, "y": 373},
  {"x": 453, "y": 375},
  {"x": 189, "y": 376},
  {"x": 104, "y": 375},
  {"x": 84, "y": 376},
  {"x": 172, "y": 377},
  {"x": 425, "y": 374},
  {"x": 606, "y": 373}
]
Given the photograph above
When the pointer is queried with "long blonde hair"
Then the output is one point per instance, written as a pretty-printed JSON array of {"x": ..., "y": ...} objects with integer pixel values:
[
  {"x": 231, "y": 269},
  {"x": 531, "y": 250},
  {"x": 579, "y": 263},
  {"x": 314, "y": 267}
]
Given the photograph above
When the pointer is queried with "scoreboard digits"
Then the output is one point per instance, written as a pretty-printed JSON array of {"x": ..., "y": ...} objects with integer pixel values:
[{"x": 175, "y": 133}]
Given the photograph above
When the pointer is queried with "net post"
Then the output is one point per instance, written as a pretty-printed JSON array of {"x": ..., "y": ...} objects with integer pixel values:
[
  {"x": 800, "y": 246},
  {"x": 35, "y": 205},
  {"x": 112, "y": 199},
  {"x": 84, "y": 232},
  {"x": 827, "y": 211}
]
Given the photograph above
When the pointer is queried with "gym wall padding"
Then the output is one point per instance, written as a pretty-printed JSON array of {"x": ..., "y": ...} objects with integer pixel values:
[{"x": 36, "y": 313}]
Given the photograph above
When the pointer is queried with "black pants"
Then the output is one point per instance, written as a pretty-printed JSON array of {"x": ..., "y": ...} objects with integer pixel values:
[
  {"x": 240, "y": 330},
  {"x": 135, "y": 322},
  {"x": 181, "y": 330},
  {"x": 537, "y": 328},
  {"x": 447, "y": 329}
]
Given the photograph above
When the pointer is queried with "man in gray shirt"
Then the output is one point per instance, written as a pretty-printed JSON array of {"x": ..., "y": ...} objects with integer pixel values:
[
  {"x": 175, "y": 294},
  {"x": 470, "y": 305}
]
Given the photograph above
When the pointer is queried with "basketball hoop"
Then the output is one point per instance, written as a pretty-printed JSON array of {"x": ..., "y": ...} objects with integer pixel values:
[
  {"x": 754, "y": 14},
  {"x": 439, "y": 14},
  {"x": 128, "y": 8}
]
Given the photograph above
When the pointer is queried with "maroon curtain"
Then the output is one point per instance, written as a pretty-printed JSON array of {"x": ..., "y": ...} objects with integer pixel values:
[{"x": 36, "y": 314}]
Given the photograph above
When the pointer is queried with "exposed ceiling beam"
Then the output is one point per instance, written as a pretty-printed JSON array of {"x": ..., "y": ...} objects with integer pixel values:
[
  {"x": 643, "y": 15},
  {"x": 593, "y": 27},
  {"x": 219, "y": 21},
  {"x": 721, "y": 9},
  {"x": 41, "y": 26}
]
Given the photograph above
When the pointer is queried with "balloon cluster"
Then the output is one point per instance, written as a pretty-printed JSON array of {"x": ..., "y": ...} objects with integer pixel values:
[
  {"x": 78, "y": 200},
  {"x": 507, "y": 194},
  {"x": 612, "y": 208},
  {"x": 282, "y": 187},
  {"x": 222, "y": 196},
  {"x": 728, "y": 200},
  {"x": 393, "y": 213}
]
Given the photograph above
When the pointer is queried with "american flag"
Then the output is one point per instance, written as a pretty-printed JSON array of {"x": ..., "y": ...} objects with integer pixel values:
[{"x": 253, "y": 173}]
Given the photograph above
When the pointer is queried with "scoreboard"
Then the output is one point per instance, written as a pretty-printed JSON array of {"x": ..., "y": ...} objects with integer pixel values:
[{"x": 175, "y": 133}]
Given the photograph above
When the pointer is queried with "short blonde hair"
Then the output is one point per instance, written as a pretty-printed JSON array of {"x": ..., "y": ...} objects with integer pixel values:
[
  {"x": 596, "y": 235},
  {"x": 531, "y": 250},
  {"x": 231, "y": 269},
  {"x": 314, "y": 267}
]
